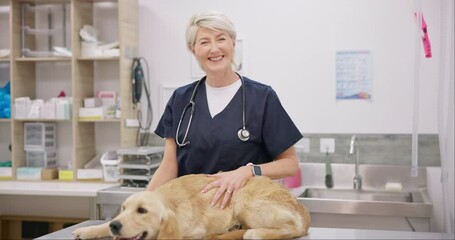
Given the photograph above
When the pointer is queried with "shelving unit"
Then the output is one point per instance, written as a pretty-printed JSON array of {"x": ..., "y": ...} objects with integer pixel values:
[
  {"x": 82, "y": 77},
  {"x": 5, "y": 124}
]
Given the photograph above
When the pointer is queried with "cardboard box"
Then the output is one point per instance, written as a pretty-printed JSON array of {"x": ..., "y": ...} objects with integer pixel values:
[
  {"x": 28, "y": 173},
  {"x": 65, "y": 174},
  {"x": 6, "y": 173},
  {"x": 89, "y": 174},
  {"x": 91, "y": 113},
  {"x": 34, "y": 173},
  {"x": 92, "y": 102},
  {"x": 49, "y": 173},
  {"x": 108, "y": 98}
]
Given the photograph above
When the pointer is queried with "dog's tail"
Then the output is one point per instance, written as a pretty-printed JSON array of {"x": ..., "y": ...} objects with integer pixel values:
[{"x": 236, "y": 234}]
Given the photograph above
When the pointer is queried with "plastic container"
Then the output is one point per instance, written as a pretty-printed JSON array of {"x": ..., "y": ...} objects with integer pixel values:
[
  {"x": 41, "y": 159},
  {"x": 111, "y": 170},
  {"x": 40, "y": 136},
  {"x": 294, "y": 181}
]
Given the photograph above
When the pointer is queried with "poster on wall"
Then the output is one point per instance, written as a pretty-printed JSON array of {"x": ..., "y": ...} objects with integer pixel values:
[{"x": 353, "y": 75}]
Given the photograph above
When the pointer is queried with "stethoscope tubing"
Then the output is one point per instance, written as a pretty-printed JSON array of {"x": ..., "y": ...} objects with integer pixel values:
[{"x": 243, "y": 133}]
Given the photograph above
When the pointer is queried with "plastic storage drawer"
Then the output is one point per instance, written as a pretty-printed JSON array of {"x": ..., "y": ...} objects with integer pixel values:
[
  {"x": 39, "y": 136},
  {"x": 41, "y": 159}
]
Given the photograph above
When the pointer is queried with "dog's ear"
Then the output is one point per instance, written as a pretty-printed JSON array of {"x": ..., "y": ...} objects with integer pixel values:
[{"x": 169, "y": 228}]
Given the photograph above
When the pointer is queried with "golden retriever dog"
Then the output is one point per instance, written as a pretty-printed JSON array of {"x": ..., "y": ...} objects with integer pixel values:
[{"x": 262, "y": 209}]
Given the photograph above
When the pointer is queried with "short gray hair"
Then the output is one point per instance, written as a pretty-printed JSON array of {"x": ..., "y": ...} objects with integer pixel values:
[{"x": 209, "y": 19}]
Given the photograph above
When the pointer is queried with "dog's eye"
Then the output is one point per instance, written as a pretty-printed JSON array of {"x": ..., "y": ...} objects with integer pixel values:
[
  {"x": 123, "y": 208},
  {"x": 141, "y": 210}
]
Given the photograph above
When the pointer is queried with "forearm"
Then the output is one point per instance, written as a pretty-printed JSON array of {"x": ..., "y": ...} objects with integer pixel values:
[
  {"x": 284, "y": 165},
  {"x": 168, "y": 169},
  {"x": 163, "y": 174}
]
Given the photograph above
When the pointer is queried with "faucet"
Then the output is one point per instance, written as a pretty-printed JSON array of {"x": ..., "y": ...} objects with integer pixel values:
[{"x": 355, "y": 148}]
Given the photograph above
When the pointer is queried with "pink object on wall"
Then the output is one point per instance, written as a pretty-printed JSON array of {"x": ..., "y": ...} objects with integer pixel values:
[{"x": 426, "y": 39}]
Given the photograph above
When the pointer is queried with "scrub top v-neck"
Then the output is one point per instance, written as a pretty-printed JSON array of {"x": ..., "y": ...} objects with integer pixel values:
[{"x": 214, "y": 145}]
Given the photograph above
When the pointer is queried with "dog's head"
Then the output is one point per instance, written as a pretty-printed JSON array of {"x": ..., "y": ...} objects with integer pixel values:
[{"x": 143, "y": 216}]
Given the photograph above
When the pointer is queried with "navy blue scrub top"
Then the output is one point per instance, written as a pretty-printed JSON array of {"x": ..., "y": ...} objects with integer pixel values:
[{"x": 214, "y": 144}]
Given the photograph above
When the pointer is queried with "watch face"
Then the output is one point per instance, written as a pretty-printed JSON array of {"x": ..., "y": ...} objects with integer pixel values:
[{"x": 257, "y": 170}]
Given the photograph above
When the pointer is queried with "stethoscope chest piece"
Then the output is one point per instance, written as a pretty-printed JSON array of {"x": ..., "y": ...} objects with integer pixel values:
[{"x": 243, "y": 134}]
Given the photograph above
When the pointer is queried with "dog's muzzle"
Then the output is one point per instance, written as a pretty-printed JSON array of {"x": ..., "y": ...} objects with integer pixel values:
[{"x": 115, "y": 227}]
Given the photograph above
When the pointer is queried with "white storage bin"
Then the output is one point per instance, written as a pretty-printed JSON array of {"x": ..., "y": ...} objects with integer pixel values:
[
  {"x": 111, "y": 170},
  {"x": 40, "y": 136},
  {"x": 41, "y": 159}
]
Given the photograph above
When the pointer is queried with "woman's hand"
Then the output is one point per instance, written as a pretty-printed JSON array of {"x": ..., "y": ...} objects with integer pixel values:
[{"x": 228, "y": 183}]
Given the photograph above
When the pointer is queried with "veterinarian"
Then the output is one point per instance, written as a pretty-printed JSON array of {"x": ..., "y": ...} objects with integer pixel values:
[{"x": 225, "y": 124}]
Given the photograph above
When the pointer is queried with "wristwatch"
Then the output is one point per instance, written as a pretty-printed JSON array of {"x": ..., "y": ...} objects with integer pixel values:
[{"x": 256, "y": 169}]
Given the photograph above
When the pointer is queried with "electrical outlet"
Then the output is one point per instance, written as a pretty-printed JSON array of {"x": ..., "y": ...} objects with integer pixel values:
[
  {"x": 303, "y": 145},
  {"x": 132, "y": 123},
  {"x": 327, "y": 145}
]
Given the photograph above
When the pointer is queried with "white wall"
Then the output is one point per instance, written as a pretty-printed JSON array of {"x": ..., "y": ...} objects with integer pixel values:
[{"x": 291, "y": 45}]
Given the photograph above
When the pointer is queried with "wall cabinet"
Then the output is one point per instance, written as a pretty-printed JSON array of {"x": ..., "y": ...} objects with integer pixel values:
[{"x": 78, "y": 141}]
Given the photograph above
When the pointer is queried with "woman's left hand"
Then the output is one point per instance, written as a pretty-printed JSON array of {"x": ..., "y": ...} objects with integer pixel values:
[{"x": 228, "y": 183}]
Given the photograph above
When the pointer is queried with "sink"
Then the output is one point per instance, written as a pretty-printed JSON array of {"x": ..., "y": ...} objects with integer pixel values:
[
  {"x": 366, "y": 202},
  {"x": 372, "y": 207},
  {"x": 361, "y": 195}
]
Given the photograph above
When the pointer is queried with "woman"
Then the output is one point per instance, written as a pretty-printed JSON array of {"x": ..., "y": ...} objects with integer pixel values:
[{"x": 238, "y": 129}]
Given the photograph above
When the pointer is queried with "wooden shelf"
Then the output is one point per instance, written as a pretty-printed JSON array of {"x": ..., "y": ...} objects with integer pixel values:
[
  {"x": 81, "y": 77},
  {"x": 41, "y": 120},
  {"x": 43, "y": 59},
  {"x": 98, "y": 1},
  {"x": 103, "y": 120},
  {"x": 43, "y": 1},
  {"x": 98, "y": 58}
]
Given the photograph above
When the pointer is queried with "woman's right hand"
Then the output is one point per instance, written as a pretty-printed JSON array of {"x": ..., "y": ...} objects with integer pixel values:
[{"x": 228, "y": 183}]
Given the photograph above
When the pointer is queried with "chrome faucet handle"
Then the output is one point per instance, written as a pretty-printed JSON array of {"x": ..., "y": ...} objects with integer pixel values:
[
  {"x": 354, "y": 148},
  {"x": 357, "y": 182},
  {"x": 353, "y": 144}
]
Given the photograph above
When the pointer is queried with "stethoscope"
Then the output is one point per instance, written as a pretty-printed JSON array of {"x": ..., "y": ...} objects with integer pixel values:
[{"x": 243, "y": 133}]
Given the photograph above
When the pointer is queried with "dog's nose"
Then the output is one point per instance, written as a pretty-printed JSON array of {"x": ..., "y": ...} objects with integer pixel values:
[{"x": 115, "y": 227}]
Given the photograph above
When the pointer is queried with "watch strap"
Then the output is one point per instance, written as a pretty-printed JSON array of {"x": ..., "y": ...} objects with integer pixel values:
[{"x": 256, "y": 169}]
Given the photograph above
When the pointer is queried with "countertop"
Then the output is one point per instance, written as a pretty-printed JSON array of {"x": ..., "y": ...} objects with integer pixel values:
[
  {"x": 53, "y": 188},
  {"x": 314, "y": 233}
]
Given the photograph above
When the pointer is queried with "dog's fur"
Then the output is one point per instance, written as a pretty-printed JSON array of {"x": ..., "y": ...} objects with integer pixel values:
[{"x": 178, "y": 209}]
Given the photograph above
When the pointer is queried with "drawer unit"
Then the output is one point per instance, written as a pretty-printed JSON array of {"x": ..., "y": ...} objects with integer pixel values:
[{"x": 39, "y": 136}]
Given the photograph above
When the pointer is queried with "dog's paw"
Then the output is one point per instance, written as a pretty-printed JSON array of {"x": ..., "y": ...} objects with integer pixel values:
[
  {"x": 91, "y": 232},
  {"x": 253, "y": 234},
  {"x": 83, "y": 233}
]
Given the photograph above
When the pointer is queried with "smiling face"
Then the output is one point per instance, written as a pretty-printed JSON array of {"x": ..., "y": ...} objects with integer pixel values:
[{"x": 214, "y": 50}]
